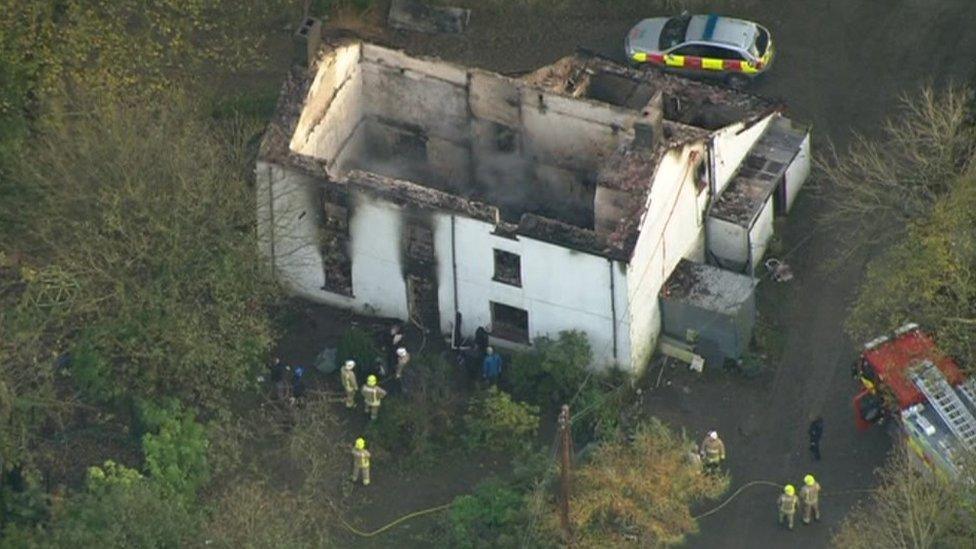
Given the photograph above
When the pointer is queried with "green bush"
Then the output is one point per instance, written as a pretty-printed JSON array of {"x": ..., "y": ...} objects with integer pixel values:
[
  {"x": 491, "y": 517},
  {"x": 424, "y": 419},
  {"x": 495, "y": 421},
  {"x": 357, "y": 344},
  {"x": 137, "y": 513},
  {"x": 552, "y": 372},
  {"x": 597, "y": 409},
  {"x": 175, "y": 448}
]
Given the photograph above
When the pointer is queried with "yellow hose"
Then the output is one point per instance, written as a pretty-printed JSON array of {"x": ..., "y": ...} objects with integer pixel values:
[
  {"x": 430, "y": 510},
  {"x": 415, "y": 514},
  {"x": 776, "y": 485}
]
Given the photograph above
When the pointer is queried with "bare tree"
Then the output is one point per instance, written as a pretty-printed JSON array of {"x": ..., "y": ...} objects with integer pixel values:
[
  {"x": 912, "y": 508},
  {"x": 881, "y": 184}
]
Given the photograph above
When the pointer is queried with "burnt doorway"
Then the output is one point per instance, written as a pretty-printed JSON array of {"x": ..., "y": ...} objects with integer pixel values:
[
  {"x": 420, "y": 274},
  {"x": 422, "y": 301}
]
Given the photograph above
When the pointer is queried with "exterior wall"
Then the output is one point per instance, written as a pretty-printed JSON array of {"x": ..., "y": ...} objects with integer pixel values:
[
  {"x": 561, "y": 289},
  {"x": 797, "y": 173},
  {"x": 759, "y": 235},
  {"x": 333, "y": 107},
  {"x": 672, "y": 229},
  {"x": 729, "y": 146},
  {"x": 728, "y": 244}
]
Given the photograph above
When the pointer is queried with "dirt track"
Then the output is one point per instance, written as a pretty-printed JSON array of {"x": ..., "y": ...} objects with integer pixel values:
[{"x": 841, "y": 66}]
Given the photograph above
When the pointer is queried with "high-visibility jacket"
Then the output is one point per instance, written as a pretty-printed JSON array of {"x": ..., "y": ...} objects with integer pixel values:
[
  {"x": 810, "y": 494},
  {"x": 349, "y": 380},
  {"x": 787, "y": 503},
  {"x": 373, "y": 395},
  {"x": 360, "y": 457},
  {"x": 713, "y": 449}
]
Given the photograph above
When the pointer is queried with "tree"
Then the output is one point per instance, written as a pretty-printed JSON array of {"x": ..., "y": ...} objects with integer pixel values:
[
  {"x": 929, "y": 277},
  {"x": 881, "y": 185},
  {"x": 639, "y": 489},
  {"x": 139, "y": 260},
  {"x": 912, "y": 508}
]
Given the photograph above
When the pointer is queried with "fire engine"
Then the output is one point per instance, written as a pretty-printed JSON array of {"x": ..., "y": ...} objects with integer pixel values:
[{"x": 908, "y": 382}]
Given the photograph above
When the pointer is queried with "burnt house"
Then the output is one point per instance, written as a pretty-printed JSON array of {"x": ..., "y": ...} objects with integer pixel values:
[{"x": 414, "y": 188}]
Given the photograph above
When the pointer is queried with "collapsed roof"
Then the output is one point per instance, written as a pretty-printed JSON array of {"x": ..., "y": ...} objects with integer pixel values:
[{"x": 528, "y": 155}]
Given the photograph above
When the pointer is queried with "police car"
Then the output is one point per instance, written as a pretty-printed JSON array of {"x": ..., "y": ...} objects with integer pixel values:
[{"x": 733, "y": 50}]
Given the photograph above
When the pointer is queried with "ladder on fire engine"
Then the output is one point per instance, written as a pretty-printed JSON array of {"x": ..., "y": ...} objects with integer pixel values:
[
  {"x": 968, "y": 389},
  {"x": 947, "y": 403}
]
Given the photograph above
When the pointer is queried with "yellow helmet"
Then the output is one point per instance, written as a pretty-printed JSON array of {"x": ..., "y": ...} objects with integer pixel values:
[
  {"x": 790, "y": 490},
  {"x": 360, "y": 443},
  {"x": 809, "y": 480},
  {"x": 371, "y": 381}
]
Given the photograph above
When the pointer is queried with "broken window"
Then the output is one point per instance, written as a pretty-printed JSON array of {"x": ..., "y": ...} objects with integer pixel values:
[
  {"x": 701, "y": 175},
  {"x": 418, "y": 242},
  {"x": 411, "y": 147},
  {"x": 504, "y": 139},
  {"x": 509, "y": 323},
  {"x": 334, "y": 246},
  {"x": 508, "y": 268}
]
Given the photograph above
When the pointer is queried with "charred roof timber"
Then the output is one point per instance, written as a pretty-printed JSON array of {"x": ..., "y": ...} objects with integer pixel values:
[{"x": 438, "y": 136}]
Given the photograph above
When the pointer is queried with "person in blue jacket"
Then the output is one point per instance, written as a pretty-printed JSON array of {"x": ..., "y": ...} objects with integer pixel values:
[{"x": 491, "y": 368}]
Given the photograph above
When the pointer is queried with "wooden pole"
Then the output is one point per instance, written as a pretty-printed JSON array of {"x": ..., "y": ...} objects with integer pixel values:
[{"x": 566, "y": 438}]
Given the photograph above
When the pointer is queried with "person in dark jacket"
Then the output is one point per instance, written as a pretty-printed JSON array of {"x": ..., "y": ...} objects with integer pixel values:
[{"x": 815, "y": 431}]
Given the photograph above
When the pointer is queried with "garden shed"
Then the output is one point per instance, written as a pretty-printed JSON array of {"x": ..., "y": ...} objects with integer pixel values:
[{"x": 710, "y": 306}]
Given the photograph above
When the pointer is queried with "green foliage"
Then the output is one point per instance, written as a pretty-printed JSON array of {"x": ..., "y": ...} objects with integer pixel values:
[
  {"x": 134, "y": 513},
  {"x": 175, "y": 448},
  {"x": 495, "y": 421},
  {"x": 325, "y": 7},
  {"x": 552, "y": 372},
  {"x": 928, "y": 278},
  {"x": 424, "y": 420},
  {"x": 493, "y": 516},
  {"x": 359, "y": 345},
  {"x": 111, "y": 475},
  {"x": 144, "y": 263},
  {"x": 25, "y": 504},
  {"x": 597, "y": 412}
]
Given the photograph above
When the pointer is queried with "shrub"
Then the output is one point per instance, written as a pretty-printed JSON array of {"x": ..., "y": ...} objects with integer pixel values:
[
  {"x": 553, "y": 371},
  {"x": 424, "y": 419},
  {"x": 495, "y": 421},
  {"x": 643, "y": 487},
  {"x": 490, "y": 517},
  {"x": 175, "y": 448},
  {"x": 357, "y": 344}
]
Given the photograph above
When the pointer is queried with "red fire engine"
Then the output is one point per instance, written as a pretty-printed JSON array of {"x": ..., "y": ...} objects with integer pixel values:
[{"x": 908, "y": 381}]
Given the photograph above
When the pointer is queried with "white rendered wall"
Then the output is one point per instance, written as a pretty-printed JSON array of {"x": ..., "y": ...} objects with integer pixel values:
[
  {"x": 797, "y": 173},
  {"x": 729, "y": 243},
  {"x": 759, "y": 235},
  {"x": 729, "y": 147},
  {"x": 672, "y": 229},
  {"x": 561, "y": 289}
]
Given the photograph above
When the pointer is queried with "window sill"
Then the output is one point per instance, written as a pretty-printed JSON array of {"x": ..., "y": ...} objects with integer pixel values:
[{"x": 507, "y": 282}]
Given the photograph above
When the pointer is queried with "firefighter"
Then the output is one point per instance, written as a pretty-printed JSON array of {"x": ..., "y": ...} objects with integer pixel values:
[
  {"x": 712, "y": 452},
  {"x": 402, "y": 359},
  {"x": 360, "y": 461},
  {"x": 349, "y": 383},
  {"x": 372, "y": 395},
  {"x": 787, "y": 505},
  {"x": 810, "y": 498}
]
